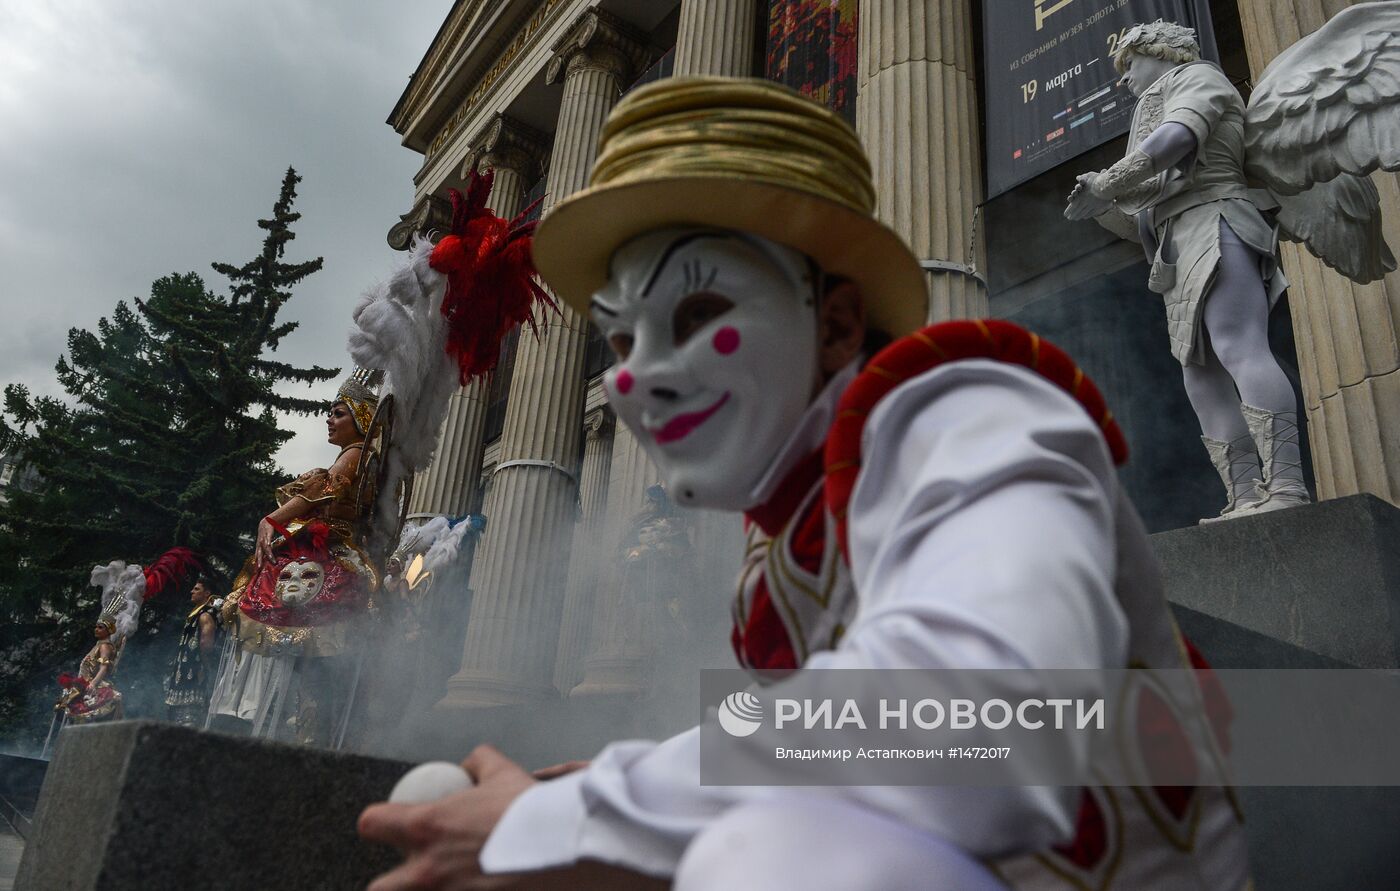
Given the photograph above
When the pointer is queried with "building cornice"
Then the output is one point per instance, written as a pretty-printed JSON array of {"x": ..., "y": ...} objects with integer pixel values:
[{"x": 472, "y": 73}]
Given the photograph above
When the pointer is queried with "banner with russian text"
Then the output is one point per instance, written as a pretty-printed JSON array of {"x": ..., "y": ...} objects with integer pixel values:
[{"x": 1048, "y": 80}]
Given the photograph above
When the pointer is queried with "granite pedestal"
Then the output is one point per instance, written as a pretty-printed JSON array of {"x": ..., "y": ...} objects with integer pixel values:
[
  {"x": 1316, "y": 586},
  {"x": 1322, "y": 578},
  {"x": 137, "y": 806}
]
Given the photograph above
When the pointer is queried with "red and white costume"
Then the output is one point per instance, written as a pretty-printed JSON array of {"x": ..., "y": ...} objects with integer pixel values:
[{"x": 952, "y": 505}]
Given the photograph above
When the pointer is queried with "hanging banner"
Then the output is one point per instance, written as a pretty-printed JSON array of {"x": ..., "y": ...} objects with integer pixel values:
[
  {"x": 811, "y": 47},
  {"x": 1048, "y": 79}
]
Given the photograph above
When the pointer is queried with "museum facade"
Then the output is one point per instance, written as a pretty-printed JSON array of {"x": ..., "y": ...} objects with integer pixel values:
[{"x": 948, "y": 96}]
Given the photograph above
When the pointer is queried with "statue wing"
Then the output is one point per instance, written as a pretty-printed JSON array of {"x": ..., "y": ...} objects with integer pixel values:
[
  {"x": 1339, "y": 221},
  {"x": 1329, "y": 104}
]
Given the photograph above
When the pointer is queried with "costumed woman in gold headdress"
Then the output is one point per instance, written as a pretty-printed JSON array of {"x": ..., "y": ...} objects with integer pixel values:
[
  {"x": 295, "y": 614},
  {"x": 90, "y": 695}
]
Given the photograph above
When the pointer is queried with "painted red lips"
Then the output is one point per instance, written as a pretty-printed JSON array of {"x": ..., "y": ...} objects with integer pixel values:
[{"x": 681, "y": 426}]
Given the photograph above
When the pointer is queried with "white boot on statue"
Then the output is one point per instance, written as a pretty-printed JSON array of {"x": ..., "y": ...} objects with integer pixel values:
[
  {"x": 1275, "y": 435},
  {"x": 1238, "y": 466}
]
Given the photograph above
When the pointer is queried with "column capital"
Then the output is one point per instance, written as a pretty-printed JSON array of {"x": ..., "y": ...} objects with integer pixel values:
[
  {"x": 430, "y": 214},
  {"x": 599, "y": 40},
  {"x": 505, "y": 143},
  {"x": 598, "y": 424}
]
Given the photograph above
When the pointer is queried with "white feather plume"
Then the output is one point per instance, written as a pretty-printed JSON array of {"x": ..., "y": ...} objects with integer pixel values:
[
  {"x": 123, "y": 590},
  {"x": 437, "y": 540},
  {"x": 400, "y": 330}
]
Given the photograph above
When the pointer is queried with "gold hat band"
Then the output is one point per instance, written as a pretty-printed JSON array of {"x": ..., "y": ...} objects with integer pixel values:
[{"x": 714, "y": 129}]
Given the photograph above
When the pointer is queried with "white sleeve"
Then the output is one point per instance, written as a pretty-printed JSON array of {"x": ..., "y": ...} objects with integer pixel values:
[{"x": 981, "y": 536}]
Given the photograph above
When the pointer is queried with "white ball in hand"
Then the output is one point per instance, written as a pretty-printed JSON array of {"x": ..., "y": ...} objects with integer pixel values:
[{"x": 429, "y": 782}]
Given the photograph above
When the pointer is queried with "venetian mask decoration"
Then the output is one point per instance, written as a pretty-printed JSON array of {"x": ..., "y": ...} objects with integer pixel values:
[
  {"x": 299, "y": 582},
  {"x": 716, "y": 335}
]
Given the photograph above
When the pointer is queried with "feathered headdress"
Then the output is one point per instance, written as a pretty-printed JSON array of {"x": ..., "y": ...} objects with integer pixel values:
[
  {"x": 491, "y": 284},
  {"x": 126, "y": 587},
  {"x": 358, "y": 393},
  {"x": 439, "y": 320},
  {"x": 173, "y": 567},
  {"x": 123, "y": 590}
]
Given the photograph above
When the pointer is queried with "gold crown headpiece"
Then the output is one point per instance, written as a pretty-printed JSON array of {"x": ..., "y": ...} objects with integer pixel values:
[
  {"x": 358, "y": 393},
  {"x": 732, "y": 153}
]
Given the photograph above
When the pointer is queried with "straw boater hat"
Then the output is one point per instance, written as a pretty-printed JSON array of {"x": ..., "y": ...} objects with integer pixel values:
[{"x": 732, "y": 153}]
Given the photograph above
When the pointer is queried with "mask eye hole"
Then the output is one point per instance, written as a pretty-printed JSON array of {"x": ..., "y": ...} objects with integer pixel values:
[
  {"x": 695, "y": 312},
  {"x": 621, "y": 345}
]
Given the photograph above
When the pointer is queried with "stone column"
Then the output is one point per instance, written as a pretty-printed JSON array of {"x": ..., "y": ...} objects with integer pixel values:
[
  {"x": 1348, "y": 354},
  {"x": 519, "y": 578},
  {"x": 446, "y": 487},
  {"x": 916, "y": 112},
  {"x": 589, "y": 549},
  {"x": 716, "y": 37},
  {"x": 616, "y": 661}
]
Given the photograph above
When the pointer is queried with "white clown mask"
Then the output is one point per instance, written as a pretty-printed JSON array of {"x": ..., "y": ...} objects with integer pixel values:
[
  {"x": 716, "y": 335},
  {"x": 299, "y": 582}
]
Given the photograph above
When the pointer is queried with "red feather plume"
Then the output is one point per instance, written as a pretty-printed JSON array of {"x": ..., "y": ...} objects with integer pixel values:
[
  {"x": 171, "y": 568},
  {"x": 491, "y": 284}
]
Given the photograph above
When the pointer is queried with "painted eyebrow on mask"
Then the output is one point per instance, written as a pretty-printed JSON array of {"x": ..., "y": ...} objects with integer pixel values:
[
  {"x": 605, "y": 310},
  {"x": 677, "y": 245}
]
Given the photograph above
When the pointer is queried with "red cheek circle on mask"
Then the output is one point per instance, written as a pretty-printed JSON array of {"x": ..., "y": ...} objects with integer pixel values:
[
  {"x": 624, "y": 382},
  {"x": 726, "y": 340}
]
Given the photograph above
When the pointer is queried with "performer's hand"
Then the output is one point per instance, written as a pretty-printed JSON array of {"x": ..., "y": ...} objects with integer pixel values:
[
  {"x": 558, "y": 770},
  {"x": 263, "y": 549},
  {"x": 442, "y": 840}
]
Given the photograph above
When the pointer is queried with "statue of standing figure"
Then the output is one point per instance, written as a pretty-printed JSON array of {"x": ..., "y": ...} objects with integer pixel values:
[{"x": 1184, "y": 190}]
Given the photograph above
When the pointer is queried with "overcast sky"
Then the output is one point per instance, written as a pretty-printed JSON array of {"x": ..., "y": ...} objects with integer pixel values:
[{"x": 144, "y": 137}]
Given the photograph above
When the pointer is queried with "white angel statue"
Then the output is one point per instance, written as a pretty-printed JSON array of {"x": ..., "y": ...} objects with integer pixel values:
[{"x": 1324, "y": 115}]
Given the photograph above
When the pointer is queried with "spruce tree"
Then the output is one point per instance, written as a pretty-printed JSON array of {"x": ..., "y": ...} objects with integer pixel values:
[{"x": 166, "y": 438}]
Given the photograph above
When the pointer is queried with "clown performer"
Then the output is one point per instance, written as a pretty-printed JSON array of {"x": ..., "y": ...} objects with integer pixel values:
[
  {"x": 954, "y": 496},
  {"x": 1183, "y": 190},
  {"x": 296, "y": 618}
]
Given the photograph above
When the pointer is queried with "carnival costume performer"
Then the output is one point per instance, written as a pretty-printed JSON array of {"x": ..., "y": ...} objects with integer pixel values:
[
  {"x": 91, "y": 695},
  {"x": 296, "y": 615},
  {"x": 191, "y": 678},
  {"x": 1184, "y": 186},
  {"x": 953, "y": 499}
]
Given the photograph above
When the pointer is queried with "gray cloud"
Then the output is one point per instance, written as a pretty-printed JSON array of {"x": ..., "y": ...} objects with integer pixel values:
[{"x": 147, "y": 137}]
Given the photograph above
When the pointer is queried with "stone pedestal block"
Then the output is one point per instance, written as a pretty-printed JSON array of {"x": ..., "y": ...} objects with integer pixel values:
[
  {"x": 1323, "y": 577},
  {"x": 135, "y": 806}
]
